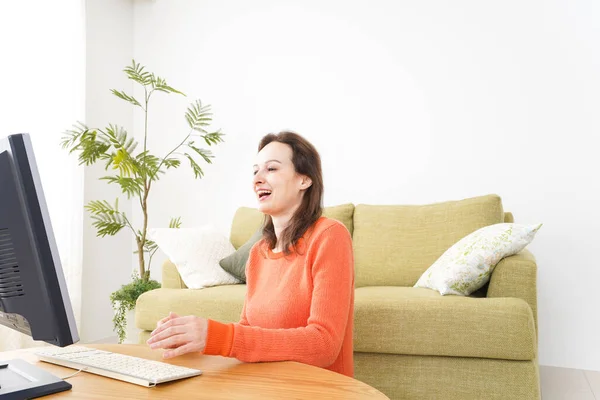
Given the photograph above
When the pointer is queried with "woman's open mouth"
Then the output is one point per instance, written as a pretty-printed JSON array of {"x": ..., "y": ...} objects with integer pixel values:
[{"x": 263, "y": 195}]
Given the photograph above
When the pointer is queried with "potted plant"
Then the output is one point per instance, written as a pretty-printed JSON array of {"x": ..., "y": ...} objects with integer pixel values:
[{"x": 135, "y": 170}]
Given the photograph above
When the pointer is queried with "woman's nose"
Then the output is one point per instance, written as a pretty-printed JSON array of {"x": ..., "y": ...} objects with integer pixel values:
[{"x": 258, "y": 178}]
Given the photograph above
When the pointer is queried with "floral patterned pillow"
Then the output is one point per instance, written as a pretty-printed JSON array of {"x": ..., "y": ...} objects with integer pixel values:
[{"x": 467, "y": 266}]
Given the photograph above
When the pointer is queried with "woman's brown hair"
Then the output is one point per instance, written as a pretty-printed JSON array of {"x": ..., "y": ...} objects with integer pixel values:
[{"x": 306, "y": 161}]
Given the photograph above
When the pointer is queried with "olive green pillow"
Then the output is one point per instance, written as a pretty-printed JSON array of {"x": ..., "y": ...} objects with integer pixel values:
[{"x": 235, "y": 263}]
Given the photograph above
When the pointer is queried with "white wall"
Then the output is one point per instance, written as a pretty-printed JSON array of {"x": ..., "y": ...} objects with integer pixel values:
[
  {"x": 408, "y": 103},
  {"x": 107, "y": 261},
  {"x": 43, "y": 91}
]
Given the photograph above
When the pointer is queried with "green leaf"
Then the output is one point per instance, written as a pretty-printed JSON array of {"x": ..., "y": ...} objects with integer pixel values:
[
  {"x": 124, "y": 146},
  {"x": 161, "y": 85},
  {"x": 148, "y": 160},
  {"x": 213, "y": 138},
  {"x": 129, "y": 186},
  {"x": 198, "y": 173},
  {"x": 205, "y": 154},
  {"x": 173, "y": 90},
  {"x": 148, "y": 165},
  {"x": 198, "y": 116},
  {"x": 175, "y": 223},
  {"x": 124, "y": 300},
  {"x": 106, "y": 227},
  {"x": 71, "y": 137},
  {"x": 149, "y": 246},
  {"x": 136, "y": 73},
  {"x": 126, "y": 97},
  {"x": 101, "y": 206},
  {"x": 172, "y": 163},
  {"x": 90, "y": 148},
  {"x": 108, "y": 220}
]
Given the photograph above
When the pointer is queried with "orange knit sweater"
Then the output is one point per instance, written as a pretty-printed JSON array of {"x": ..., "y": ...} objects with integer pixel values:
[{"x": 298, "y": 307}]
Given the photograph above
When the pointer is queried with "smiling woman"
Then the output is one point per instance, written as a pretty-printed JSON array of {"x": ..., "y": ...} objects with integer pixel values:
[
  {"x": 299, "y": 302},
  {"x": 288, "y": 174}
]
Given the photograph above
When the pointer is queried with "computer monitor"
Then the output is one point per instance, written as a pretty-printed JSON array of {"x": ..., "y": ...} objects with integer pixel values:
[{"x": 33, "y": 293}]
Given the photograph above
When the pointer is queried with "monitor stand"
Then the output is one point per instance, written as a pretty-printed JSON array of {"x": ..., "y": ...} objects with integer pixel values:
[{"x": 21, "y": 380}]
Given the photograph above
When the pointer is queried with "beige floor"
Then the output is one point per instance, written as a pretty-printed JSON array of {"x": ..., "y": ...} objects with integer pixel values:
[{"x": 569, "y": 384}]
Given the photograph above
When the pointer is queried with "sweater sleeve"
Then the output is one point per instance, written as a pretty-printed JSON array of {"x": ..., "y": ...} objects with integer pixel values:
[{"x": 319, "y": 342}]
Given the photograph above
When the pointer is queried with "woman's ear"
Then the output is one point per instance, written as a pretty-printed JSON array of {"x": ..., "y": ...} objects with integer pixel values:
[{"x": 305, "y": 183}]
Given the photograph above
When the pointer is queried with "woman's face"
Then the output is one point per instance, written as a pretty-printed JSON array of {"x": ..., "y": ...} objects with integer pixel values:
[{"x": 278, "y": 188}]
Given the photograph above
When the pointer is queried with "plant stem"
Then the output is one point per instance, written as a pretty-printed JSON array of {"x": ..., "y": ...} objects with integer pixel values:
[
  {"x": 171, "y": 152},
  {"x": 147, "y": 98},
  {"x": 140, "y": 247},
  {"x": 147, "y": 189},
  {"x": 145, "y": 275},
  {"x": 142, "y": 242}
]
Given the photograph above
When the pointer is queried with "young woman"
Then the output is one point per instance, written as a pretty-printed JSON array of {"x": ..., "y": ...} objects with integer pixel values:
[{"x": 299, "y": 303}]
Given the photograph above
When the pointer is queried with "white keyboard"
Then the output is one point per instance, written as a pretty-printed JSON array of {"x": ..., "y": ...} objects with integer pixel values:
[{"x": 113, "y": 365}]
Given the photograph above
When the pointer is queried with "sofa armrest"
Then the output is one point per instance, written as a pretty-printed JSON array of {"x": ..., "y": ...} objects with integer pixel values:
[
  {"x": 516, "y": 276},
  {"x": 170, "y": 277}
]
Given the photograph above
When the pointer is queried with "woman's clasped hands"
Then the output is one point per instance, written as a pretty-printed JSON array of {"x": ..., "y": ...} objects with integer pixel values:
[{"x": 179, "y": 335}]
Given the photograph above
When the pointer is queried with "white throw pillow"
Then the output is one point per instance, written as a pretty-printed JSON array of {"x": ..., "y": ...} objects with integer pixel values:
[
  {"x": 196, "y": 253},
  {"x": 467, "y": 266}
]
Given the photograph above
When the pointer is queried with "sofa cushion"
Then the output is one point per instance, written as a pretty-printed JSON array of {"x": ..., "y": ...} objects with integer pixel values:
[
  {"x": 466, "y": 266},
  {"x": 394, "y": 245},
  {"x": 196, "y": 253},
  {"x": 391, "y": 320},
  {"x": 235, "y": 263},
  {"x": 247, "y": 220},
  {"x": 417, "y": 321},
  {"x": 221, "y": 303}
]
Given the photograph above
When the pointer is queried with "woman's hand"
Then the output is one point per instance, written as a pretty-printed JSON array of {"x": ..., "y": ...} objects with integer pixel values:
[
  {"x": 180, "y": 335},
  {"x": 165, "y": 319}
]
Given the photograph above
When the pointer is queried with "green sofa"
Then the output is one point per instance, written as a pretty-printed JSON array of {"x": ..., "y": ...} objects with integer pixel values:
[{"x": 410, "y": 343}]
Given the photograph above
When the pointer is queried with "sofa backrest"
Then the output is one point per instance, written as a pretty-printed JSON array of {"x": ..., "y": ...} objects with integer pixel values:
[
  {"x": 247, "y": 220},
  {"x": 395, "y": 244}
]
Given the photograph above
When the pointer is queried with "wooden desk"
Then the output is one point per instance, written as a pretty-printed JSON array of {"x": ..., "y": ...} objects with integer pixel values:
[{"x": 222, "y": 378}]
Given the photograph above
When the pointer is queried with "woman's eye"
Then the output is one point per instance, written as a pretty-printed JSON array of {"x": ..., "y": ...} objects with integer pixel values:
[
  {"x": 272, "y": 169},
  {"x": 255, "y": 172}
]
